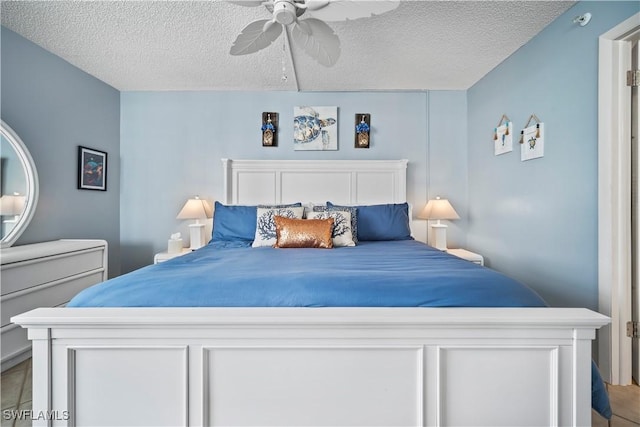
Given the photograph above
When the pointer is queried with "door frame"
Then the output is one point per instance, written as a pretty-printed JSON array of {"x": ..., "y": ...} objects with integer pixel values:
[{"x": 614, "y": 199}]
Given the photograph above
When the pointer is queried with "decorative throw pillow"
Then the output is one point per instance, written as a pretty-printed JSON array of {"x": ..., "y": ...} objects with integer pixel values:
[
  {"x": 354, "y": 217},
  {"x": 383, "y": 222},
  {"x": 341, "y": 233},
  {"x": 311, "y": 207},
  {"x": 303, "y": 233},
  {"x": 266, "y": 226}
]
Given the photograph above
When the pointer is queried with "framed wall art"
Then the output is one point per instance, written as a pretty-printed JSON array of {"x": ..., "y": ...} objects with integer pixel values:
[
  {"x": 315, "y": 128},
  {"x": 92, "y": 169}
]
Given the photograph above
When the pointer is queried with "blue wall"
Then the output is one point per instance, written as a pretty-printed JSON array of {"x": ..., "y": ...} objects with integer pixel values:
[
  {"x": 54, "y": 107},
  {"x": 537, "y": 220},
  {"x": 447, "y": 154},
  {"x": 172, "y": 143}
]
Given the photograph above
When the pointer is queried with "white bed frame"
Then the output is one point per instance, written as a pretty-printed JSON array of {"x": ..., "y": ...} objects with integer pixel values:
[{"x": 312, "y": 366}]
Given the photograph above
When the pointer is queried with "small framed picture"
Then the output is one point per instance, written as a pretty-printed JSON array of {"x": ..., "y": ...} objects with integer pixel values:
[{"x": 92, "y": 169}]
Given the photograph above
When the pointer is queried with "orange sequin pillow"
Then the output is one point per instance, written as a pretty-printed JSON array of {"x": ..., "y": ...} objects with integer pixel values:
[{"x": 303, "y": 233}]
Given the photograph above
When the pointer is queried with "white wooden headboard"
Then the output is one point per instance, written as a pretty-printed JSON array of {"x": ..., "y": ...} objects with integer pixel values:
[{"x": 250, "y": 182}]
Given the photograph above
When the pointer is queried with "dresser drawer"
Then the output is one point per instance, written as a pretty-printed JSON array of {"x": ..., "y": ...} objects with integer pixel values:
[
  {"x": 46, "y": 274},
  {"x": 48, "y": 295},
  {"x": 22, "y": 275}
]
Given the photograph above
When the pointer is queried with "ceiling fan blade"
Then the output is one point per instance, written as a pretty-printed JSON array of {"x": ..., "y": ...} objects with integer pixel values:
[
  {"x": 318, "y": 40},
  {"x": 255, "y": 36},
  {"x": 342, "y": 10},
  {"x": 313, "y": 4},
  {"x": 247, "y": 3}
]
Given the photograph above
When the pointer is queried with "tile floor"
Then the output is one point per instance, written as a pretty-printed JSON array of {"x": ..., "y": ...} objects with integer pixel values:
[
  {"x": 625, "y": 404},
  {"x": 16, "y": 394}
]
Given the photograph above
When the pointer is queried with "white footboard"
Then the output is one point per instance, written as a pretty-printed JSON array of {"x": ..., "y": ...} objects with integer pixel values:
[{"x": 312, "y": 366}]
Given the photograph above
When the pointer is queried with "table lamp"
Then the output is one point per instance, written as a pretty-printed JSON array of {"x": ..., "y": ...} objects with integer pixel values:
[
  {"x": 197, "y": 209},
  {"x": 12, "y": 205},
  {"x": 437, "y": 209}
]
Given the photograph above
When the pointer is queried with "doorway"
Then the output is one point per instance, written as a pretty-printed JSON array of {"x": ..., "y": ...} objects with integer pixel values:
[
  {"x": 635, "y": 208},
  {"x": 618, "y": 255}
]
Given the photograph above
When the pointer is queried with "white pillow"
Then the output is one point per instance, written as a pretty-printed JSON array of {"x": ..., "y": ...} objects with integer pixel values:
[
  {"x": 310, "y": 207},
  {"x": 266, "y": 226},
  {"x": 342, "y": 233}
]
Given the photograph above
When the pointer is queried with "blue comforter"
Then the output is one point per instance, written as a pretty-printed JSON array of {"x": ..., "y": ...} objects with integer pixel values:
[{"x": 373, "y": 274}]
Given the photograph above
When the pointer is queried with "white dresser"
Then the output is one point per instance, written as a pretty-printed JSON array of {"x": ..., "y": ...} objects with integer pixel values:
[{"x": 45, "y": 274}]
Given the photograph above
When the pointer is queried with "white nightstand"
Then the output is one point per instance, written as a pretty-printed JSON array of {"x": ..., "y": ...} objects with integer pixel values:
[
  {"x": 468, "y": 255},
  {"x": 165, "y": 256}
]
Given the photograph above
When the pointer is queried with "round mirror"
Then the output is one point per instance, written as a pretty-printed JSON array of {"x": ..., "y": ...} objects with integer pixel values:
[{"x": 18, "y": 186}]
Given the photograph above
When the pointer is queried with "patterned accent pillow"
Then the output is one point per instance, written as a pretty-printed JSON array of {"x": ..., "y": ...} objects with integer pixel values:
[
  {"x": 266, "y": 226},
  {"x": 341, "y": 233},
  {"x": 311, "y": 207},
  {"x": 354, "y": 217}
]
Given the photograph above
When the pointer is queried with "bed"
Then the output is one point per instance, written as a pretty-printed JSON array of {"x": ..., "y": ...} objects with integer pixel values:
[{"x": 425, "y": 339}]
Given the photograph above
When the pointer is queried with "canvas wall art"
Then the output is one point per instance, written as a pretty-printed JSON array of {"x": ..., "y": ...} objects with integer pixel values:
[{"x": 315, "y": 128}]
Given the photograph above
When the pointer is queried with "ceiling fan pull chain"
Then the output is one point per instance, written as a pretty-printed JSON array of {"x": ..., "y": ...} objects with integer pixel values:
[{"x": 284, "y": 48}]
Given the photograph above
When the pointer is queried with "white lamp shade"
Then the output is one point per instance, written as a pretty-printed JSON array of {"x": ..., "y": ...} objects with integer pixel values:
[
  {"x": 438, "y": 209},
  {"x": 196, "y": 208},
  {"x": 12, "y": 204}
]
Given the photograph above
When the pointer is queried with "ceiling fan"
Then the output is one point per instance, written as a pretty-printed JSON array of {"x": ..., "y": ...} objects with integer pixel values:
[{"x": 305, "y": 19}]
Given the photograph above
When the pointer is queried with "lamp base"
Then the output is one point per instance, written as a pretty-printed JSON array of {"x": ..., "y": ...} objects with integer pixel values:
[
  {"x": 196, "y": 236},
  {"x": 439, "y": 236}
]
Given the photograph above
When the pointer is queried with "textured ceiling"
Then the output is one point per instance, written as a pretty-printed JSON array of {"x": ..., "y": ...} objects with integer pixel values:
[{"x": 184, "y": 45}]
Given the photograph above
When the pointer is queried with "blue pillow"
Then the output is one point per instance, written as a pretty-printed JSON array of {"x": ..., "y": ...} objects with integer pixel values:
[
  {"x": 232, "y": 223},
  {"x": 236, "y": 222},
  {"x": 599, "y": 396},
  {"x": 382, "y": 222}
]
